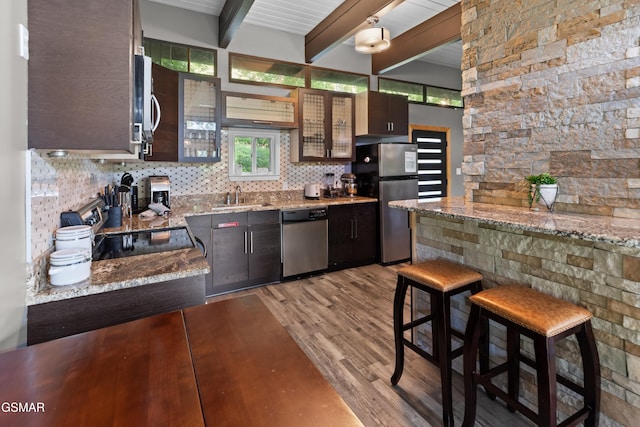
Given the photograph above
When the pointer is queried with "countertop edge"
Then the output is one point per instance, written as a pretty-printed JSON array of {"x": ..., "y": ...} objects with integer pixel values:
[{"x": 616, "y": 231}]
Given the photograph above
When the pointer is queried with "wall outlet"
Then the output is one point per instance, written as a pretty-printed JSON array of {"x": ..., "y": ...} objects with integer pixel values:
[{"x": 458, "y": 171}]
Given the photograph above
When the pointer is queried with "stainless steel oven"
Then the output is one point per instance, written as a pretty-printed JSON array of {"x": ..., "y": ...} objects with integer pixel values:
[{"x": 304, "y": 241}]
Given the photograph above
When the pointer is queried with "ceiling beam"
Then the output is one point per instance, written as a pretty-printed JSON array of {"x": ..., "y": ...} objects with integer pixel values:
[
  {"x": 442, "y": 29},
  {"x": 347, "y": 19},
  {"x": 232, "y": 15}
]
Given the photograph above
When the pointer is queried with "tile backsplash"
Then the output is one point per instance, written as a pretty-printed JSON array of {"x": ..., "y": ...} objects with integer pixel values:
[{"x": 60, "y": 184}]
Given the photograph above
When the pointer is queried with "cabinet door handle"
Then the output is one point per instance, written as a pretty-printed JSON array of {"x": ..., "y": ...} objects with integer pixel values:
[
  {"x": 351, "y": 231},
  {"x": 251, "y": 241},
  {"x": 355, "y": 223},
  {"x": 391, "y": 126},
  {"x": 246, "y": 237}
]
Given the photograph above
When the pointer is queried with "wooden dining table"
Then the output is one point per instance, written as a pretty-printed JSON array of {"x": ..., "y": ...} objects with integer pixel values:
[{"x": 229, "y": 363}]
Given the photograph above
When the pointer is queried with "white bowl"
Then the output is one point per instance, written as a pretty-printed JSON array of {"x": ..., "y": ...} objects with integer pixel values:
[
  {"x": 76, "y": 236},
  {"x": 69, "y": 266}
]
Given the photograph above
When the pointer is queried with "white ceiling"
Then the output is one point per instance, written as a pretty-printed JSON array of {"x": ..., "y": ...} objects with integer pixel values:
[{"x": 301, "y": 16}]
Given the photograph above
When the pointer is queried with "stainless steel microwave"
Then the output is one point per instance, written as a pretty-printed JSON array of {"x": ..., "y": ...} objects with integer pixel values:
[{"x": 146, "y": 109}]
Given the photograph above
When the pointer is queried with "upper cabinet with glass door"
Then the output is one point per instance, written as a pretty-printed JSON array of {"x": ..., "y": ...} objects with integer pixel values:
[
  {"x": 189, "y": 129},
  {"x": 199, "y": 118},
  {"x": 326, "y": 130}
]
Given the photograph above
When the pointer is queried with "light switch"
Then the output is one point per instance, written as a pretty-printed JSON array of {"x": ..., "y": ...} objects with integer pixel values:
[
  {"x": 458, "y": 171},
  {"x": 23, "y": 38}
]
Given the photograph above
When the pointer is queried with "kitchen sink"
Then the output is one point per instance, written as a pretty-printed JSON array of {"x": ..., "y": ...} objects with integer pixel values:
[{"x": 222, "y": 207}]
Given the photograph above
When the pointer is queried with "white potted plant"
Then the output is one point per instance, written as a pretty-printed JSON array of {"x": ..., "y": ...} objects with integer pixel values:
[{"x": 543, "y": 186}]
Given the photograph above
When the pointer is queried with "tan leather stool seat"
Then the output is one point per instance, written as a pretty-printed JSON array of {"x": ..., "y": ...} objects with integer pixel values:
[
  {"x": 545, "y": 320},
  {"x": 440, "y": 274},
  {"x": 538, "y": 312},
  {"x": 441, "y": 280}
]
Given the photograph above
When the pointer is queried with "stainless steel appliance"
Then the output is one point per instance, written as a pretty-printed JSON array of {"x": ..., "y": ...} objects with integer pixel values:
[
  {"x": 160, "y": 190},
  {"x": 389, "y": 171},
  {"x": 146, "y": 109},
  {"x": 304, "y": 241},
  {"x": 92, "y": 213}
]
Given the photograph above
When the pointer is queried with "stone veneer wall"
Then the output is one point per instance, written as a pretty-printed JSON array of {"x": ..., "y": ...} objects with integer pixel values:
[
  {"x": 603, "y": 278},
  {"x": 553, "y": 86}
]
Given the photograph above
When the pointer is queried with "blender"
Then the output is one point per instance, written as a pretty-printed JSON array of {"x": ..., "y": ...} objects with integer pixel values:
[{"x": 329, "y": 182}]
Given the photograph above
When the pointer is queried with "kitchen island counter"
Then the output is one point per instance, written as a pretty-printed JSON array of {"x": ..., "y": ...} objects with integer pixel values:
[
  {"x": 606, "y": 229},
  {"x": 591, "y": 261}
]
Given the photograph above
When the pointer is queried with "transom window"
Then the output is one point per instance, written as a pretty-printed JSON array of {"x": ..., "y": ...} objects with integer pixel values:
[
  {"x": 179, "y": 57},
  {"x": 249, "y": 69},
  {"x": 271, "y": 72},
  {"x": 254, "y": 154},
  {"x": 338, "y": 81},
  {"x": 422, "y": 93}
]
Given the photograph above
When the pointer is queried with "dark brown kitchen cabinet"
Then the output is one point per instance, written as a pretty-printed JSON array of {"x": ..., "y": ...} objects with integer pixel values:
[
  {"x": 57, "y": 319},
  {"x": 189, "y": 129},
  {"x": 243, "y": 249},
  {"x": 81, "y": 73},
  {"x": 326, "y": 130},
  {"x": 200, "y": 226},
  {"x": 381, "y": 114},
  {"x": 352, "y": 235}
]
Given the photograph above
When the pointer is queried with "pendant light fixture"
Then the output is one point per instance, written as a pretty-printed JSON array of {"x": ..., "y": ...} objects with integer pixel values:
[{"x": 373, "y": 39}]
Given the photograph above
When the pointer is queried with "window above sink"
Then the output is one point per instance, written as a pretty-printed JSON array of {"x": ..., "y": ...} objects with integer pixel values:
[{"x": 254, "y": 154}]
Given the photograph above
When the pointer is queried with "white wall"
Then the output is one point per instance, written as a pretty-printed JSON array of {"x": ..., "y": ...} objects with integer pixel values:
[{"x": 13, "y": 128}]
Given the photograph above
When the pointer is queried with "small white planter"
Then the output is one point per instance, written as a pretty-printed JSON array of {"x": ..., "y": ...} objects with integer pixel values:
[{"x": 548, "y": 194}]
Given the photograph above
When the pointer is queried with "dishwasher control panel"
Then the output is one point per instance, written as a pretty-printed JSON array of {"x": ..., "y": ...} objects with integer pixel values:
[{"x": 304, "y": 214}]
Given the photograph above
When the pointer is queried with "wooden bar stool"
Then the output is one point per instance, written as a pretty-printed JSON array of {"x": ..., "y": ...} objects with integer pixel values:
[
  {"x": 545, "y": 320},
  {"x": 441, "y": 279}
]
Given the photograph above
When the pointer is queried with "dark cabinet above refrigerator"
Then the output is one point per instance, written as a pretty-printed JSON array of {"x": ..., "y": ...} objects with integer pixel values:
[{"x": 381, "y": 114}]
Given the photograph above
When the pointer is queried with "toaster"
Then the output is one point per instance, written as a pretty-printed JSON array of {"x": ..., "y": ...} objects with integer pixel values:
[{"x": 312, "y": 191}]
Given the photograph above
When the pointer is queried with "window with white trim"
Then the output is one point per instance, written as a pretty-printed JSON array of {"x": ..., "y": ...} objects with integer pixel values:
[{"x": 254, "y": 154}]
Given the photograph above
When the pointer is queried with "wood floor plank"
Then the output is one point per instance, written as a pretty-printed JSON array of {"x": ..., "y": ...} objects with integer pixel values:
[{"x": 343, "y": 321}]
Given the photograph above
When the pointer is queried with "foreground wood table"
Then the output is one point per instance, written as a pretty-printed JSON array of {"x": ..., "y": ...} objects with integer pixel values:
[
  {"x": 230, "y": 363},
  {"x": 133, "y": 374},
  {"x": 252, "y": 373}
]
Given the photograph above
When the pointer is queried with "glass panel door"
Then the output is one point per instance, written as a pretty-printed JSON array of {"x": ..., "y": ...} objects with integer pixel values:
[
  {"x": 342, "y": 127},
  {"x": 200, "y": 136}
]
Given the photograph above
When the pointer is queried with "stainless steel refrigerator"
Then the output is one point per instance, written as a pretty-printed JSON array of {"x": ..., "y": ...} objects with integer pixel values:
[{"x": 389, "y": 171}]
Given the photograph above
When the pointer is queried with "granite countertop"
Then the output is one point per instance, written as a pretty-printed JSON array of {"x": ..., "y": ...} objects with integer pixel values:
[
  {"x": 121, "y": 273},
  {"x": 617, "y": 231},
  {"x": 185, "y": 206}
]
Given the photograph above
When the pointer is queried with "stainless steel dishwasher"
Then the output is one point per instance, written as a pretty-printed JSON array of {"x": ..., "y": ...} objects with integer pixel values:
[{"x": 304, "y": 240}]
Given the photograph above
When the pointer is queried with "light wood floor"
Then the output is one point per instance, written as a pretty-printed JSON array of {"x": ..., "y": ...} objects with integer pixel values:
[{"x": 343, "y": 322}]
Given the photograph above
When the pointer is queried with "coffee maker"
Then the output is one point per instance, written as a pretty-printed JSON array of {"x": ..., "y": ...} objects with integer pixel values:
[{"x": 159, "y": 190}]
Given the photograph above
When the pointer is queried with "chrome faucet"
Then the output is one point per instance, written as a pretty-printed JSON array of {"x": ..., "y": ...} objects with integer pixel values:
[{"x": 238, "y": 191}]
